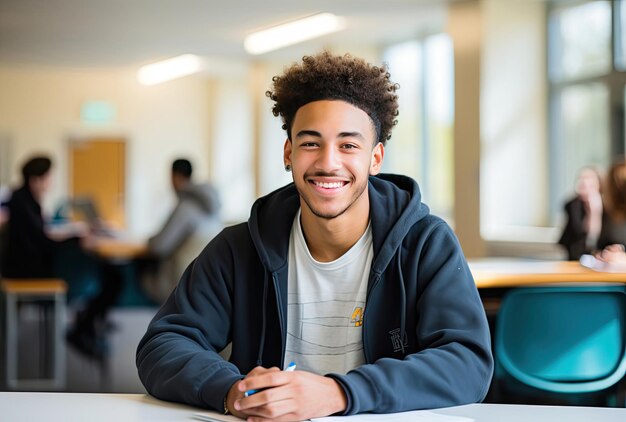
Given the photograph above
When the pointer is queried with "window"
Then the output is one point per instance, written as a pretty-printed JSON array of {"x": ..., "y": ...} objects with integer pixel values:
[
  {"x": 586, "y": 90},
  {"x": 581, "y": 37},
  {"x": 584, "y": 119},
  {"x": 421, "y": 143},
  {"x": 620, "y": 36}
]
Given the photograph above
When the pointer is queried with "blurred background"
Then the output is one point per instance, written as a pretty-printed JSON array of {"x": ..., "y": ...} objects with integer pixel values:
[{"x": 501, "y": 103}]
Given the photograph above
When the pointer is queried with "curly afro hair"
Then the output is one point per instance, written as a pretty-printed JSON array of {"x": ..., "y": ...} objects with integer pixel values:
[{"x": 327, "y": 77}]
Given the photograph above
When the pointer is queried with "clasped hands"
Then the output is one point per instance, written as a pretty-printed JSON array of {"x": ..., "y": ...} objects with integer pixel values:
[{"x": 285, "y": 396}]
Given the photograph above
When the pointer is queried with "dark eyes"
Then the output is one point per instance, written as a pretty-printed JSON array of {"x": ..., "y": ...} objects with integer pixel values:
[{"x": 315, "y": 145}]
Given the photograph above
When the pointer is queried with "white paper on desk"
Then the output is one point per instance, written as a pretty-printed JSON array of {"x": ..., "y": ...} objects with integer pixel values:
[
  {"x": 416, "y": 415},
  {"x": 215, "y": 417},
  {"x": 596, "y": 264}
]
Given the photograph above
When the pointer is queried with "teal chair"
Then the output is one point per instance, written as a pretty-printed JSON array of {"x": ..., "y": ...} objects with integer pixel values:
[{"x": 566, "y": 342}]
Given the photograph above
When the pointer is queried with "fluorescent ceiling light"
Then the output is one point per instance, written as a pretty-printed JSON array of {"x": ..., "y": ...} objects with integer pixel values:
[
  {"x": 293, "y": 33},
  {"x": 169, "y": 69}
]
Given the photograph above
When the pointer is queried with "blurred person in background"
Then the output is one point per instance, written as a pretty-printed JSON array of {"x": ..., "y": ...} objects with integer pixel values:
[
  {"x": 193, "y": 222},
  {"x": 30, "y": 248},
  {"x": 614, "y": 220},
  {"x": 610, "y": 255},
  {"x": 4, "y": 219},
  {"x": 186, "y": 231},
  {"x": 584, "y": 215}
]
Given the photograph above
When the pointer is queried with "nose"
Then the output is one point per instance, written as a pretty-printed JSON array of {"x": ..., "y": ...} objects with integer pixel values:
[{"x": 328, "y": 159}]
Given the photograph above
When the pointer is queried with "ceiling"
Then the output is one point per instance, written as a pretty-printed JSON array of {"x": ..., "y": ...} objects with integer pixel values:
[{"x": 119, "y": 33}]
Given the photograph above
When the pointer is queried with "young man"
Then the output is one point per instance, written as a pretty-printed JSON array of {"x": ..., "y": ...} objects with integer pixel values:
[{"x": 344, "y": 272}]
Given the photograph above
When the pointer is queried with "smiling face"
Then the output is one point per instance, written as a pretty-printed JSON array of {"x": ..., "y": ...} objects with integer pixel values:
[{"x": 331, "y": 154}]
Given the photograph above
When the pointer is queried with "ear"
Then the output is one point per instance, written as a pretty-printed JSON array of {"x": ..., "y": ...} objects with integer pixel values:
[
  {"x": 287, "y": 152},
  {"x": 378, "y": 153}
]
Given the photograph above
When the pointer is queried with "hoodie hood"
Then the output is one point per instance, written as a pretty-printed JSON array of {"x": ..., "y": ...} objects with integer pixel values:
[
  {"x": 395, "y": 206},
  {"x": 203, "y": 194}
]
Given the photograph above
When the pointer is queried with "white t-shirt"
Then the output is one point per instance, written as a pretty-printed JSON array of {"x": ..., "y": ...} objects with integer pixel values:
[{"x": 326, "y": 302}]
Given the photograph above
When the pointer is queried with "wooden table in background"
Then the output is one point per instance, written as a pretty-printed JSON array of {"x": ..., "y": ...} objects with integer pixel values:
[
  {"x": 494, "y": 277},
  {"x": 508, "y": 274},
  {"x": 117, "y": 249}
]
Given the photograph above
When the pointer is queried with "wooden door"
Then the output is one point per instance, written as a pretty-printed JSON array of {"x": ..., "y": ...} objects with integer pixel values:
[{"x": 98, "y": 170}]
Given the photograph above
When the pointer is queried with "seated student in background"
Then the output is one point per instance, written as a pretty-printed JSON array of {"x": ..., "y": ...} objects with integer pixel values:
[
  {"x": 4, "y": 218},
  {"x": 191, "y": 225},
  {"x": 188, "y": 229},
  {"x": 344, "y": 271},
  {"x": 30, "y": 249},
  {"x": 614, "y": 194},
  {"x": 584, "y": 215}
]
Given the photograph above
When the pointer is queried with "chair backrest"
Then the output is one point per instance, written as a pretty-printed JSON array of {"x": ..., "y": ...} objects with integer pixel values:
[{"x": 563, "y": 339}]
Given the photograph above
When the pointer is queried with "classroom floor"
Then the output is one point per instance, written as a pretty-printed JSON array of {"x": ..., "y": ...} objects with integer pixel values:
[{"x": 118, "y": 375}]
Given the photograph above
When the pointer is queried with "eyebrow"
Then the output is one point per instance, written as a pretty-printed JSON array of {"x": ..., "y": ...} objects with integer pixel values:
[{"x": 316, "y": 134}]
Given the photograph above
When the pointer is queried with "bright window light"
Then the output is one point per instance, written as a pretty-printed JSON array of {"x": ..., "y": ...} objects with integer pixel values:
[
  {"x": 169, "y": 69},
  {"x": 293, "y": 33}
]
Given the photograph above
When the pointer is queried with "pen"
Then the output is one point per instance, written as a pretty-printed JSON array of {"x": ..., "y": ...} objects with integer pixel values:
[{"x": 290, "y": 368}]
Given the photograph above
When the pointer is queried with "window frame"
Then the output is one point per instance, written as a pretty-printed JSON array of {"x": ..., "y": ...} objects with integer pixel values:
[{"x": 614, "y": 80}]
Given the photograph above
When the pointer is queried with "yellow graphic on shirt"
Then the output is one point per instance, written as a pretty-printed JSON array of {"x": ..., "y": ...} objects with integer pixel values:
[{"x": 357, "y": 316}]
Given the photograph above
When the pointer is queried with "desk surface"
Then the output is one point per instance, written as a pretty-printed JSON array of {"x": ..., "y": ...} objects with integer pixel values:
[
  {"x": 511, "y": 273},
  {"x": 70, "y": 407},
  {"x": 118, "y": 248}
]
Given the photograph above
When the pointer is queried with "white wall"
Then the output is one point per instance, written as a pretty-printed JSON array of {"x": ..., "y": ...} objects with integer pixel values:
[
  {"x": 232, "y": 149},
  {"x": 514, "y": 174},
  {"x": 40, "y": 111},
  {"x": 514, "y": 144}
]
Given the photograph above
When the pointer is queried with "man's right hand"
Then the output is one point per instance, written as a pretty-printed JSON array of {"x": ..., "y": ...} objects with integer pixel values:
[
  {"x": 235, "y": 394},
  {"x": 285, "y": 396}
]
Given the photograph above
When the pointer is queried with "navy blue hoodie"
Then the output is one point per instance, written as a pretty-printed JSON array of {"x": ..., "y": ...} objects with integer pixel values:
[{"x": 425, "y": 336}]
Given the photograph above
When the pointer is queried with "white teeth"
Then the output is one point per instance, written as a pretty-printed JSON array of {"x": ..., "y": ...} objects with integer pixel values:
[{"x": 333, "y": 185}]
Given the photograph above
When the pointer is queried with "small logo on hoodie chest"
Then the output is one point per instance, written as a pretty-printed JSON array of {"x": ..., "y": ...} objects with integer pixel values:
[{"x": 397, "y": 340}]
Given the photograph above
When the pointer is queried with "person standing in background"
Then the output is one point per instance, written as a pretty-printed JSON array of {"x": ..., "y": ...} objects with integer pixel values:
[{"x": 584, "y": 215}]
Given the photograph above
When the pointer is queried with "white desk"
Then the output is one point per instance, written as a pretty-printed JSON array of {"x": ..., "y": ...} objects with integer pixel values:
[{"x": 75, "y": 407}]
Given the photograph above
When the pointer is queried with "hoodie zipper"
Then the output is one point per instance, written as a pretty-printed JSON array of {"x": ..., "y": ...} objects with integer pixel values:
[
  {"x": 281, "y": 319},
  {"x": 364, "y": 336}
]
